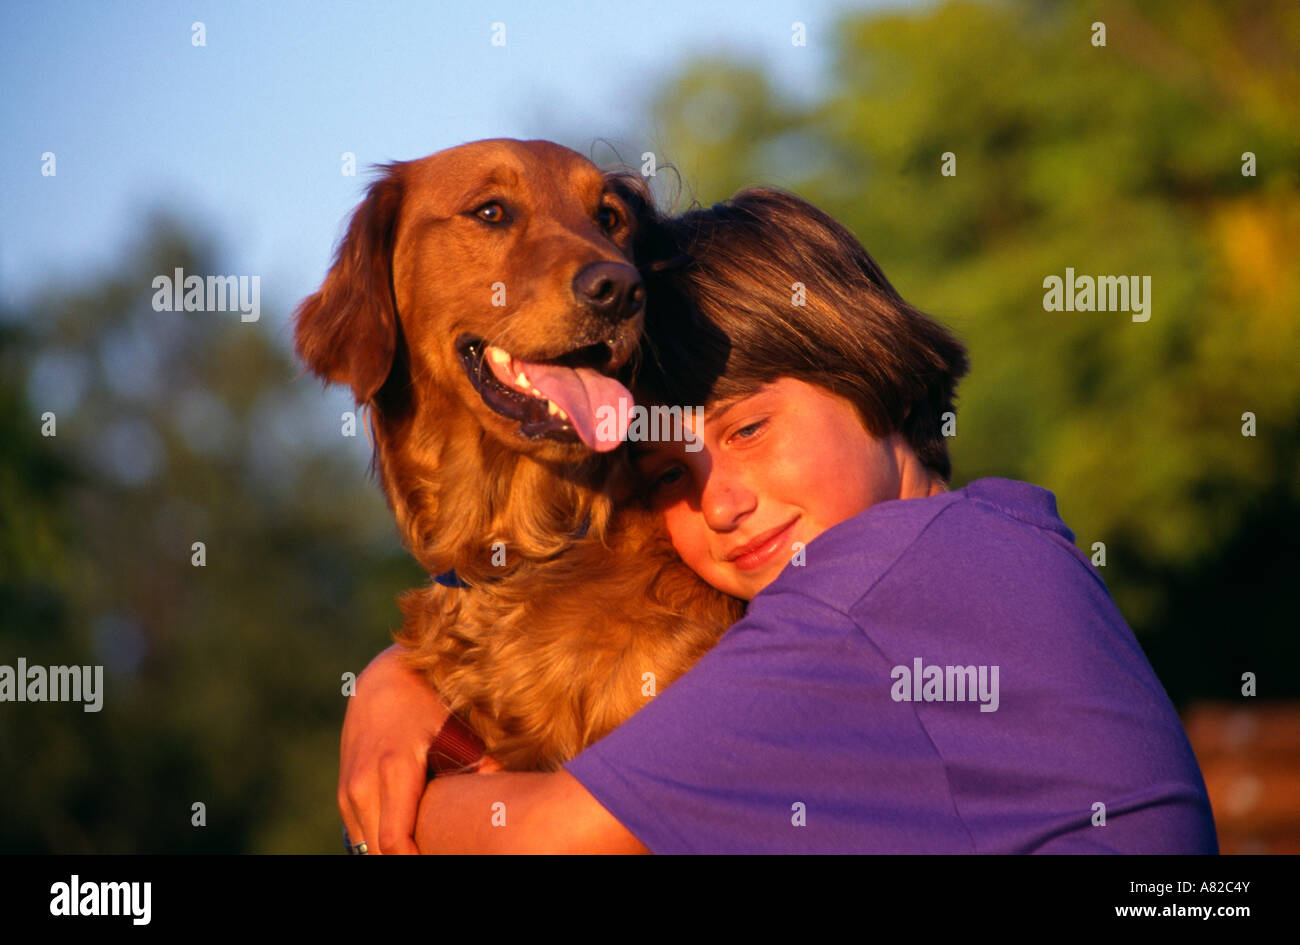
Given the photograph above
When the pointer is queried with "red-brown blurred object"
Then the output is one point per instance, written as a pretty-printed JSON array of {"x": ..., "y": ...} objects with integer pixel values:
[
  {"x": 1250, "y": 756},
  {"x": 455, "y": 748}
]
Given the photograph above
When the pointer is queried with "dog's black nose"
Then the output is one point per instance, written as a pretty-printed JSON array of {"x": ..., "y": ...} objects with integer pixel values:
[{"x": 609, "y": 289}]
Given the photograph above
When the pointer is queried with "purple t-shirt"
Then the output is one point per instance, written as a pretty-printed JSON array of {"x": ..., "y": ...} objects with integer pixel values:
[{"x": 941, "y": 675}]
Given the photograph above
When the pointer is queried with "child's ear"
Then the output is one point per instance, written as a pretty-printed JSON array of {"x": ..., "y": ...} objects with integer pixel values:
[{"x": 347, "y": 332}]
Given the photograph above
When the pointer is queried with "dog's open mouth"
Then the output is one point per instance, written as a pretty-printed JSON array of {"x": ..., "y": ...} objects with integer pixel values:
[{"x": 560, "y": 398}]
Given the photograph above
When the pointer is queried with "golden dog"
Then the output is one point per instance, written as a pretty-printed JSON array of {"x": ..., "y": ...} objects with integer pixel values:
[{"x": 482, "y": 304}]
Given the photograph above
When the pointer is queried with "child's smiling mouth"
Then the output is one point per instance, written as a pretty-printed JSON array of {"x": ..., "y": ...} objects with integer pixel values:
[{"x": 758, "y": 552}]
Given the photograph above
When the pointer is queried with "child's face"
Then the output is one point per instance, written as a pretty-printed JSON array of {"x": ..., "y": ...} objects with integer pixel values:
[{"x": 779, "y": 466}]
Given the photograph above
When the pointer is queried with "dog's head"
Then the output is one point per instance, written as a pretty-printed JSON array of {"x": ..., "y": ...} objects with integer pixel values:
[
  {"x": 482, "y": 305},
  {"x": 493, "y": 277}
]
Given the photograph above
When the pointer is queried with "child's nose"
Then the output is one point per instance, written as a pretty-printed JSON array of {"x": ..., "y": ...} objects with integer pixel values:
[{"x": 726, "y": 500}]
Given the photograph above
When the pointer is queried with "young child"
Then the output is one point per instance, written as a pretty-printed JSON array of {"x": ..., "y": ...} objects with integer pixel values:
[{"x": 918, "y": 670}]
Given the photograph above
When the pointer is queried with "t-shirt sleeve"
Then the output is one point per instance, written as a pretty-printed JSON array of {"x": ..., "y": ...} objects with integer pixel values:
[{"x": 783, "y": 738}]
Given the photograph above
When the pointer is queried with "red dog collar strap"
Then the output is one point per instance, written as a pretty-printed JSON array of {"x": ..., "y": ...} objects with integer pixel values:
[{"x": 455, "y": 748}]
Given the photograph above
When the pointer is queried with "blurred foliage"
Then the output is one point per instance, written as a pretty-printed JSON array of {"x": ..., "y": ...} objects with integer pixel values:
[
  {"x": 1117, "y": 160},
  {"x": 223, "y": 682}
]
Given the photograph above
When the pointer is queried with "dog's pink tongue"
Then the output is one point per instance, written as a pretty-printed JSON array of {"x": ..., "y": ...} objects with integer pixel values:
[{"x": 589, "y": 398}]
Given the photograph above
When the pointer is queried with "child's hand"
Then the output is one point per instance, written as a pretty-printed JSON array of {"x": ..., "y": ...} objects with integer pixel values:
[{"x": 390, "y": 723}]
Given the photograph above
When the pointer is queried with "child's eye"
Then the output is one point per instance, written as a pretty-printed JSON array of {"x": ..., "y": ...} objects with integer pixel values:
[
  {"x": 669, "y": 477},
  {"x": 664, "y": 487},
  {"x": 753, "y": 428}
]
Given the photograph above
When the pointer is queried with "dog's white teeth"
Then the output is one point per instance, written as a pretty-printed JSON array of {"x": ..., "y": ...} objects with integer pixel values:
[
  {"x": 551, "y": 408},
  {"x": 522, "y": 381},
  {"x": 498, "y": 355},
  {"x": 560, "y": 411}
]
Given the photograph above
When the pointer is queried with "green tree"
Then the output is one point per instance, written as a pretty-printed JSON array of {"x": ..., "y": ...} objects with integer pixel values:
[{"x": 223, "y": 682}]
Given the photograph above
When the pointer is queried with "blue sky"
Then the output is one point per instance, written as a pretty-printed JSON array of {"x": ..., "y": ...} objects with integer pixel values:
[{"x": 244, "y": 137}]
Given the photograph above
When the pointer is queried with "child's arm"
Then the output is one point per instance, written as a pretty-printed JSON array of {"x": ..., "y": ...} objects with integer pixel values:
[
  {"x": 390, "y": 725},
  {"x": 513, "y": 812}
]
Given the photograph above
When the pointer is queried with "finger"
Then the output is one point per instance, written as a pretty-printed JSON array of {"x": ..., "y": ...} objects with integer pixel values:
[
  {"x": 350, "y": 790},
  {"x": 350, "y": 822},
  {"x": 401, "y": 785},
  {"x": 362, "y": 804}
]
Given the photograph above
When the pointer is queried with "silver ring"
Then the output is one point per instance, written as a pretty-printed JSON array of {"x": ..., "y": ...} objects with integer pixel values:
[{"x": 355, "y": 849}]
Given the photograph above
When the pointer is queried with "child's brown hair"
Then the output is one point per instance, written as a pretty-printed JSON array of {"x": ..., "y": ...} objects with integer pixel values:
[{"x": 764, "y": 286}]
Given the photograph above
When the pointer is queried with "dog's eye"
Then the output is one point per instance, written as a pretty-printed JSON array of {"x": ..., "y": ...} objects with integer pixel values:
[
  {"x": 608, "y": 218},
  {"x": 491, "y": 212}
]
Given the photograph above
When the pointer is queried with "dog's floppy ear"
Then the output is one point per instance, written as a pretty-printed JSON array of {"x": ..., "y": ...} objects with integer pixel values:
[{"x": 347, "y": 332}]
